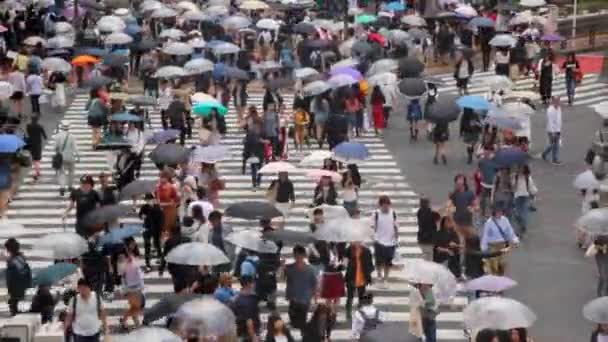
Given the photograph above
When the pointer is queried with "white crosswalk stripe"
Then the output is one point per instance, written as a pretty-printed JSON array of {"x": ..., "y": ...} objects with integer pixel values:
[
  {"x": 39, "y": 208},
  {"x": 589, "y": 93}
]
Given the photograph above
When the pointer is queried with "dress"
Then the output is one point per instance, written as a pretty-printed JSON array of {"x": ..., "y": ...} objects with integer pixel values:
[
  {"x": 35, "y": 135},
  {"x": 166, "y": 194},
  {"x": 378, "y": 114},
  {"x": 546, "y": 81}
]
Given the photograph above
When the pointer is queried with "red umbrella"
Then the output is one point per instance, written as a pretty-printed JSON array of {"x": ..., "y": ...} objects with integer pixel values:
[{"x": 376, "y": 37}]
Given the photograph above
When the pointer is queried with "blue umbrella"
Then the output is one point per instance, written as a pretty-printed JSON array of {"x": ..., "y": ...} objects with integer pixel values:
[
  {"x": 10, "y": 143},
  {"x": 394, "y": 6},
  {"x": 132, "y": 30},
  {"x": 350, "y": 152},
  {"x": 481, "y": 22},
  {"x": 474, "y": 102},
  {"x": 162, "y": 137},
  {"x": 117, "y": 235},
  {"x": 128, "y": 117},
  {"x": 53, "y": 274},
  {"x": 510, "y": 156},
  {"x": 93, "y": 51}
]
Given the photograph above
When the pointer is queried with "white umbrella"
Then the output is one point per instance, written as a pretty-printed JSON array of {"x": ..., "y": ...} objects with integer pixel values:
[
  {"x": 200, "y": 97},
  {"x": 331, "y": 212},
  {"x": 267, "y": 66},
  {"x": 522, "y": 94},
  {"x": 121, "y": 12},
  {"x": 198, "y": 66},
  {"x": 216, "y": 11},
  {"x": 315, "y": 88},
  {"x": 164, "y": 12},
  {"x": 586, "y": 181},
  {"x": 172, "y": 33},
  {"x": 6, "y": 90},
  {"x": 498, "y": 313},
  {"x": 346, "y": 63},
  {"x": 60, "y": 42},
  {"x": 186, "y": 6},
  {"x": 316, "y": 158},
  {"x": 197, "y": 254},
  {"x": 210, "y": 154},
  {"x": 517, "y": 108},
  {"x": 418, "y": 271},
  {"x": 207, "y": 318},
  {"x": 594, "y": 221},
  {"x": 399, "y": 37},
  {"x": 150, "y": 5},
  {"x": 385, "y": 78},
  {"x": 225, "y": 48},
  {"x": 195, "y": 16},
  {"x": 503, "y": 40},
  {"x": 601, "y": 108},
  {"x": 118, "y": 38},
  {"x": 236, "y": 22},
  {"x": 170, "y": 71},
  {"x": 178, "y": 49},
  {"x": 413, "y": 20},
  {"x": 596, "y": 310},
  {"x": 111, "y": 23},
  {"x": 267, "y": 24},
  {"x": 253, "y": 5},
  {"x": 56, "y": 64},
  {"x": 523, "y": 17},
  {"x": 276, "y": 167},
  {"x": 341, "y": 80},
  {"x": 252, "y": 240},
  {"x": 64, "y": 245},
  {"x": 383, "y": 65},
  {"x": 148, "y": 334},
  {"x": 34, "y": 40},
  {"x": 305, "y": 73},
  {"x": 466, "y": 11},
  {"x": 345, "y": 230},
  {"x": 497, "y": 82},
  {"x": 197, "y": 43},
  {"x": 532, "y": 3},
  {"x": 63, "y": 27}
]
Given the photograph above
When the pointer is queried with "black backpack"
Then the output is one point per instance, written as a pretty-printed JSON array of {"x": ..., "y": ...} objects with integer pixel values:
[{"x": 23, "y": 272}]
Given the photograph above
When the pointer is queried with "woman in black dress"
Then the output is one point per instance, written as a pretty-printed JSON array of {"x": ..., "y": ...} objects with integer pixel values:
[
  {"x": 35, "y": 136},
  {"x": 546, "y": 72},
  {"x": 446, "y": 246},
  {"x": 440, "y": 134}
]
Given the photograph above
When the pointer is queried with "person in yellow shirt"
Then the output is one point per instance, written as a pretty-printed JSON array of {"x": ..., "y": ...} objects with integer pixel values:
[
  {"x": 301, "y": 119},
  {"x": 21, "y": 60}
]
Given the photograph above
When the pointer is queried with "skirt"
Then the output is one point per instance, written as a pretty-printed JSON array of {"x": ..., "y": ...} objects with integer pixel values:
[
  {"x": 332, "y": 285},
  {"x": 470, "y": 137},
  {"x": 283, "y": 208},
  {"x": 170, "y": 219},
  {"x": 350, "y": 206},
  {"x": 18, "y": 95}
]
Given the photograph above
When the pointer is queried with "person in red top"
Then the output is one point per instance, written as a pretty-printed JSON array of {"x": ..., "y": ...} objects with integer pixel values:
[
  {"x": 168, "y": 199},
  {"x": 378, "y": 110}
]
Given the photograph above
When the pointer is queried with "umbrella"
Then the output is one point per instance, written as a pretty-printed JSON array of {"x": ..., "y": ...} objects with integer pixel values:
[
  {"x": 532, "y": 3},
  {"x": 216, "y": 10},
  {"x": 236, "y": 22},
  {"x": 84, "y": 60},
  {"x": 596, "y": 310},
  {"x": 178, "y": 49},
  {"x": 115, "y": 60},
  {"x": 481, "y": 22},
  {"x": 383, "y": 65},
  {"x": 197, "y": 254},
  {"x": 195, "y": 16},
  {"x": 517, "y": 108},
  {"x": 141, "y": 100},
  {"x": 522, "y": 94},
  {"x": 266, "y": 66},
  {"x": 201, "y": 97},
  {"x": 303, "y": 73},
  {"x": 105, "y": 214},
  {"x": 170, "y": 71},
  {"x": 342, "y": 80},
  {"x": 253, "y": 5},
  {"x": 92, "y": 51},
  {"x": 253, "y": 241},
  {"x": 197, "y": 43},
  {"x": 362, "y": 48},
  {"x": 148, "y": 334},
  {"x": 418, "y": 271},
  {"x": 111, "y": 23},
  {"x": 207, "y": 317},
  {"x": 56, "y": 64},
  {"x": 594, "y": 222},
  {"x": 164, "y": 12},
  {"x": 63, "y": 27},
  {"x": 394, "y": 6},
  {"x": 198, "y": 66},
  {"x": 315, "y": 88},
  {"x": 267, "y": 24},
  {"x": 118, "y": 38},
  {"x": 382, "y": 79},
  {"x": 53, "y": 274},
  {"x": 417, "y": 33},
  {"x": 150, "y": 5},
  {"x": 497, "y": 82},
  {"x": 505, "y": 121},
  {"x": 170, "y": 154},
  {"x": 389, "y": 332},
  {"x": 491, "y": 283},
  {"x": 210, "y": 154},
  {"x": 167, "y": 306},
  {"x": 97, "y": 82},
  {"x": 64, "y": 245},
  {"x": 137, "y": 188},
  {"x": 586, "y": 180},
  {"x": 10, "y": 143},
  {"x": 125, "y": 117},
  {"x": 497, "y": 313},
  {"x": 410, "y": 67},
  {"x": 34, "y": 40},
  {"x": 503, "y": 40},
  {"x": 444, "y": 109},
  {"x": 162, "y": 137},
  {"x": 413, "y": 87},
  {"x": 252, "y": 210},
  {"x": 133, "y": 30},
  {"x": 365, "y": 19},
  {"x": 318, "y": 174},
  {"x": 117, "y": 235},
  {"x": 172, "y": 33},
  {"x": 399, "y": 37},
  {"x": 204, "y": 108},
  {"x": 288, "y": 236},
  {"x": 276, "y": 167},
  {"x": 552, "y": 37},
  {"x": 466, "y": 11},
  {"x": 236, "y": 73},
  {"x": 347, "y": 71},
  {"x": 186, "y": 6},
  {"x": 510, "y": 156},
  {"x": 344, "y": 230},
  {"x": 318, "y": 44},
  {"x": 225, "y": 48},
  {"x": 330, "y": 212},
  {"x": 351, "y": 152},
  {"x": 305, "y": 28},
  {"x": 474, "y": 102},
  {"x": 316, "y": 158}
]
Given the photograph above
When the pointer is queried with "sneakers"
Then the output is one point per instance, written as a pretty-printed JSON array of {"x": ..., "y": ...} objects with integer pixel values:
[{"x": 556, "y": 163}]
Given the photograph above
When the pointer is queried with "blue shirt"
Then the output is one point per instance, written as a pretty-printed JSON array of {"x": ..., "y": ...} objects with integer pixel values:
[
  {"x": 487, "y": 168},
  {"x": 492, "y": 232},
  {"x": 224, "y": 294},
  {"x": 248, "y": 267}
]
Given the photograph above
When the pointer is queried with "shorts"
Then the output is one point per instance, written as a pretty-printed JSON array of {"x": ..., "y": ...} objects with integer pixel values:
[
  {"x": 18, "y": 95},
  {"x": 96, "y": 121},
  {"x": 384, "y": 254}
]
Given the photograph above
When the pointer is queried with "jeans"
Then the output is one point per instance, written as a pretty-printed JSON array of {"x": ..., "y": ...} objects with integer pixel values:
[
  {"x": 256, "y": 178},
  {"x": 151, "y": 237},
  {"x": 35, "y": 101},
  {"x": 553, "y": 147},
  {"x": 429, "y": 327},
  {"x": 297, "y": 314},
  {"x": 522, "y": 208},
  {"x": 601, "y": 259},
  {"x": 484, "y": 200},
  {"x": 570, "y": 88},
  {"x": 79, "y": 338}
]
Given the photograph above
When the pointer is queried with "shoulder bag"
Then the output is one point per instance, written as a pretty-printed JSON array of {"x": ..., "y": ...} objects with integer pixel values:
[{"x": 57, "y": 161}]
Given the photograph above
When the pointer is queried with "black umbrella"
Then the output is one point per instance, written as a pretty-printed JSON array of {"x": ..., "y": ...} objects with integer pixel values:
[
  {"x": 97, "y": 82},
  {"x": 92, "y": 51},
  {"x": 236, "y": 73},
  {"x": 252, "y": 210},
  {"x": 290, "y": 237},
  {"x": 115, "y": 60},
  {"x": 389, "y": 332},
  {"x": 105, "y": 215},
  {"x": 170, "y": 154},
  {"x": 444, "y": 109},
  {"x": 410, "y": 67},
  {"x": 362, "y": 48},
  {"x": 413, "y": 87},
  {"x": 142, "y": 100},
  {"x": 305, "y": 28},
  {"x": 92, "y": 4},
  {"x": 317, "y": 44},
  {"x": 167, "y": 306},
  {"x": 137, "y": 188},
  {"x": 144, "y": 45},
  {"x": 277, "y": 83}
]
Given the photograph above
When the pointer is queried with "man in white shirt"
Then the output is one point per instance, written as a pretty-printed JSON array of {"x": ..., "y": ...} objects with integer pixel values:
[
  {"x": 86, "y": 315},
  {"x": 554, "y": 129},
  {"x": 386, "y": 237},
  {"x": 34, "y": 85},
  {"x": 202, "y": 202}
]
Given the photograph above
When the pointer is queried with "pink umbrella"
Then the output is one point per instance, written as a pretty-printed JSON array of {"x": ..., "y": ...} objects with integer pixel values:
[{"x": 318, "y": 174}]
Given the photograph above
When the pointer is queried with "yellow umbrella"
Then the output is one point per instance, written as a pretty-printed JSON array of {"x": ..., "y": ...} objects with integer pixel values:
[{"x": 254, "y": 5}]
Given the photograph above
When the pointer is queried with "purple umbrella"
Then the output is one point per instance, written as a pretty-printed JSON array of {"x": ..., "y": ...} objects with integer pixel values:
[
  {"x": 510, "y": 156},
  {"x": 162, "y": 137},
  {"x": 347, "y": 71},
  {"x": 553, "y": 37},
  {"x": 491, "y": 283},
  {"x": 69, "y": 12}
]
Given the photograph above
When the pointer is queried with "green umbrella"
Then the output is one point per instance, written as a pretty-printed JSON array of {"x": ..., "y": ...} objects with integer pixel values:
[
  {"x": 204, "y": 108},
  {"x": 53, "y": 274},
  {"x": 365, "y": 19}
]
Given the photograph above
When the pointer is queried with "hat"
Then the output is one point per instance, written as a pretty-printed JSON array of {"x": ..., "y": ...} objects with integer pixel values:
[
  {"x": 64, "y": 126},
  {"x": 87, "y": 179}
]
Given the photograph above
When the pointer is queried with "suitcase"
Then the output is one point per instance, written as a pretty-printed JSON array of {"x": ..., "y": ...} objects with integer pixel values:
[
  {"x": 50, "y": 332},
  {"x": 22, "y": 327}
]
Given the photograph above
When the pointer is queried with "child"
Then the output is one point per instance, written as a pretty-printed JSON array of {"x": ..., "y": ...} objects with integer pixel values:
[
  {"x": 153, "y": 218},
  {"x": 367, "y": 318}
]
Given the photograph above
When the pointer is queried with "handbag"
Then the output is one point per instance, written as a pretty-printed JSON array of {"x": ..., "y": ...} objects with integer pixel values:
[
  {"x": 578, "y": 76},
  {"x": 271, "y": 194},
  {"x": 57, "y": 161}
]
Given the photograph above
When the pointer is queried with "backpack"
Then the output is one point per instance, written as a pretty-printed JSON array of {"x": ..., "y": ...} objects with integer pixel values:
[
  {"x": 24, "y": 272},
  {"x": 370, "y": 323},
  {"x": 97, "y": 296}
]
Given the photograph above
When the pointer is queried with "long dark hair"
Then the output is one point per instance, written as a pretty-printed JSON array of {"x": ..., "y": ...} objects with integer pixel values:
[
  {"x": 464, "y": 181},
  {"x": 525, "y": 169}
]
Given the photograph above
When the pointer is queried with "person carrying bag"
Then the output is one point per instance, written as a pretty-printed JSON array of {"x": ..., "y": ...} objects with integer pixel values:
[{"x": 57, "y": 161}]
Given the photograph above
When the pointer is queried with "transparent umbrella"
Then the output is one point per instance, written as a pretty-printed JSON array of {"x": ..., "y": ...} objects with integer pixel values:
[
  {"x": 586, "y": 180},
  {"x": 164, "y": 12},
  {"x": 596, "y": 310},
  {"x": 210, "y": 154},
  {"x": 178, "y": 49},
  {"x": 111, "y": 23},
  {"x": 64, "y": 245},
  {"x": 384, "y": 78},
  {"x": 302, "y": 73},
  {"x": 498, "y": 313},
  {"x": 198, "y": 66},
  {"x": 316, "y": 158},
  {"x": 236, "y": 22},
  {"x": 253, "y": 241},
  {"x": 315, "y": 88},
  {"x": 60, "y": 42},
  {"x": 276, "y": 167},
  {"x": 56, "y": 64},
  {"x": 330, "y": 212},
  {"x": 170, "y": 71},
  {"x": 341, "y": 80},
  {"x": 413, "y": 20},
  {"x": 418, "y": 271},
  {"x": 172, "y": 33},
  {"x": 595, "y": 221},
  {"x": 216, "y": 10},
  {"x": 225, "y": 48},
  {"x": 195, "y": 16},
  {"x": 267, "y": 24},
  {"x": 206, "y": 317},
  {"x": 253, "y": 5},
  {"x": 345, "y": 230},
  {"x": 148, "y": 334},
  {"x": 197, "y": 254},
  {"x": 383, "y": 65},
  {"x": 63, "y": 27},
  {"x": 34, "y": 40},
  {"x": 118, "y": 38},
  {"x": 186, "y": 6}
]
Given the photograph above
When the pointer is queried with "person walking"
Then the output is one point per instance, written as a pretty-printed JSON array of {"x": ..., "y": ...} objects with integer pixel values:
[
  {"x": 277, "y": 331},
  {"x": 574, "y": 75},
  {"x": 427, "y": 220},
  {"x": 132, "y": 282},
  {"x": 446, "y": 246},
  {"x": 440, "y": 134},
  {"x": 547, "y": 71},
  {"x": 497, "y": 235},
  {"x": 502, "y": 59},
  {"x": 247, "y": 312},
  {"x": 554, "y": 129},
  {"x": 35, "y": 136},
  {"x": 386, "y": 238},
  {"x": 358, "y": 273},
  {"x": 85, "y": 200},
  {"x": 281, "y": 194},
  {"x": 599, "y": 250},
  {"x": 414, "y": 114},
  {"x": 301, "y": 287},
  {"x": 34, "y": 85},
  {"x": 18, "y": 275},
  {"x": 377, "y": 101},
  {"x": 86, "y": 319},
  {"x": 463, "y": 70},
  {"x": 470, "y": 130},
  {"x": 168, "y": 198},
  {"x": 524, "y": 189}
]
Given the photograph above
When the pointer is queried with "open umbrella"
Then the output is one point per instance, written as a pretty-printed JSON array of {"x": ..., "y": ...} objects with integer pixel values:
[
  {"x": 64, "y": 245},
  {"x": 316, "y": 158},
  {"x": 195, "y": 16},
  {"x": 198, "y": 66},
  {"x": 517, "y": 108},
  {"x": 10, "y": 143},
  {"x": 497, "y": 313},
  {"x": 276, "y": 167},
  {"x": 522, "y": 94},
  {"x": 288, "y": 236},
  {"x": 178, "y": 49},
  {"x": 162, "y": 137},
  {"x": 105, "y": 214},
  {"x": 201, "y": 97},
  {"x": 383, "y": 65},
  {"x": 204, "y": 108},
  {"x": 491, "y": 283},
  {"x": 305, "y": 28},
  {"x": 382, "y": 79},
  {"x": 56, "y": 64},
  {"x": 167, "y": 306},
  {"x": 418, "y": 271},
  {"x": 410, "y": 67},
  {"x": 596, "y": 310},
  {"x": 347, "y": 71},
  {"x": 362, "y": 48},
  {"x": 148, "y": 334},
  {"x": 137, "y": 188},
  {"x": 187, "y": 6},
  {"x": 594, "y": 222},
  {"x": 389, "y": 332},
  {"x": 169, "y": 154},
  {"x": 53, "y": 274},
  {"x": 97, "y": 82},
  {"x": 365, "y": 19},
  {"x": 474, "y": 102},
  {"x": 253, "y": 241},
  {"x": 505, "y": 121},
  {"x": 341, "y": 80},
  {"x": 34, "y": 40},
  {"x": 330, "y": 212},
  {"x": 118, "y": 38},
  {"x": 266, "y": 66},
  {"x": 532, "y": 3},
  {"x": 315, "y": 88},
  {"x": 510, "y": 156},
  {"x": 172, "y": 33},
  {"x": 481, "y": 22},
  {"x": 252, "y": 210},
  {"x": 197, "y": 254},
  {"x": 125, "y": 117},
  {"x": 225, "y": 48},
  {"x": 267, "y": 24},
  {"x": 466, "y": 11},
  {"x": 115, "y": 60},
  {"x": 117, "y": 235},
  {"x": 164, "y": 12},
  {"x": 317, "y": 174},
  {"x": 303, "y": 73},
  {"x": 206, "y": 317},
  {"x": 444, "y": 109},
  {"x": 253, "y": 5},
  {"x": 170, "y": 71},
  {"x": 503, "y": 40},
  {"x": 351, "y": 152},
  {"x": 586, "y": 181},
  {"x": 345, "y": 230},
  {"x": 236, "y": 73},
  {"x": 84, "y": 60},
  {"x": 236, "y": 22},
  {"x": 552, "y": 37},
  {"x": 412, "y": 86},
  {"x": 111, "y": 23},
  {"x": 210, "y": 154},
  {"x": 216, "y": 10}
]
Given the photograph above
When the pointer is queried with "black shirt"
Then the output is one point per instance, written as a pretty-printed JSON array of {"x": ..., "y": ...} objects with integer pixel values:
[
  {"x": 85, "y": 201},
  {"x": 245, "y": 308},
  {"x": 107, "y": 196},
  {"x": 285, "y": 191},
  {"x": 175, "y": 112}
]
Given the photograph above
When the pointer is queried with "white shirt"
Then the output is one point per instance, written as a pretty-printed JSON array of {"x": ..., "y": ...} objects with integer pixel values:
[
  {"x": 385, "y": 227},
  {"x": 521, "y": 190},
  {"x": 34, "y": 84},
  {"x": 87, "y": 322},
  {"x": 359, "y": 322},
  {"x": 165, "y": 98},
  {"x": 554, "y": 119},
  {"x": 602, "y": 338},
  {"x": 205, "y": 205}
]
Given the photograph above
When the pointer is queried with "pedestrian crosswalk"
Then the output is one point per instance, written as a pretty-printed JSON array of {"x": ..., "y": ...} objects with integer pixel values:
[{"x": 39, "y": 208}]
